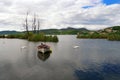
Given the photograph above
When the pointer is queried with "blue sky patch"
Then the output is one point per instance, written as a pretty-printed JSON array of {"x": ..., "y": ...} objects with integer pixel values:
[
  {"x": 109, "y": 2},
  {"x": 86, "y": 7}
]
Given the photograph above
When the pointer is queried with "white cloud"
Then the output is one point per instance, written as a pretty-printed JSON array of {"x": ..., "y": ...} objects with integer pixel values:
[{"x": 92, "y": 14}]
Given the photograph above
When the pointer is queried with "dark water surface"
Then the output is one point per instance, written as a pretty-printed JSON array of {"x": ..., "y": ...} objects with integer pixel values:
[{"x": 94, "y": 59}]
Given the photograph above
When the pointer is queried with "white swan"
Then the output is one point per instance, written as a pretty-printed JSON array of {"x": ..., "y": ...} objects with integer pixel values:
[
  {"x": 23, "y": 47},
  {"x": 76, "y": 47}
]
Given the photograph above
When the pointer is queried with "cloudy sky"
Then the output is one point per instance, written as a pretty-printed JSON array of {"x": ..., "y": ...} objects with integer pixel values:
[{"x": 91, "y": 14}]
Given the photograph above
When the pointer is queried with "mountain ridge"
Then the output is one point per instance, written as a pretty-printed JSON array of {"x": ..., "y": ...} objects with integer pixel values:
[{"x": 68, "y": 30}]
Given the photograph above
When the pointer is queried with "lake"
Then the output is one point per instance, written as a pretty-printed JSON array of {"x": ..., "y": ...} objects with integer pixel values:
[{"x": 94, "y": 59}]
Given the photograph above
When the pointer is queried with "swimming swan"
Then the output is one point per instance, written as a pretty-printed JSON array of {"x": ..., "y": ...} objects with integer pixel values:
[
  {"x": 76, "y": 47},
  {"x": 23, "y": 47}
]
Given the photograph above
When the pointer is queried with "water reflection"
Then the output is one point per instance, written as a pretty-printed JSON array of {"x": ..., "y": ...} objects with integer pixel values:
[
  {"x": 93, "y": 60},
  {"x": 88, "y": 75},
  {"x": 43, "y": 56},
  {"x": 106, "y": 72}
]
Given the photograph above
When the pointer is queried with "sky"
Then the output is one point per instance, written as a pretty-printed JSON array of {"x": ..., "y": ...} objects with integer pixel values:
[{"x": 90, "y": 14}]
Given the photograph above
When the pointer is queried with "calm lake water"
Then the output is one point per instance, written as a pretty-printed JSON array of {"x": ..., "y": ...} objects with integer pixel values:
[{"x": 94, "y": 59}]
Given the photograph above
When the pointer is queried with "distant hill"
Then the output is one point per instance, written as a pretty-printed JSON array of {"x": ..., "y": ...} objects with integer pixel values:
[
  {"x": 8, "y": 32},
  {"x": 111, "y": 33},
  {"x": 68, "y": 30},
  {"x": 111, "y": 29}
]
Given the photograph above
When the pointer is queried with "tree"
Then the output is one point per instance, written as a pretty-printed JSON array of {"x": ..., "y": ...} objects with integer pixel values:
[
  {"x": 34, "y": 24},
  {"x": 38, "y": 26},
  {"x": 26, "y": 26}
]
